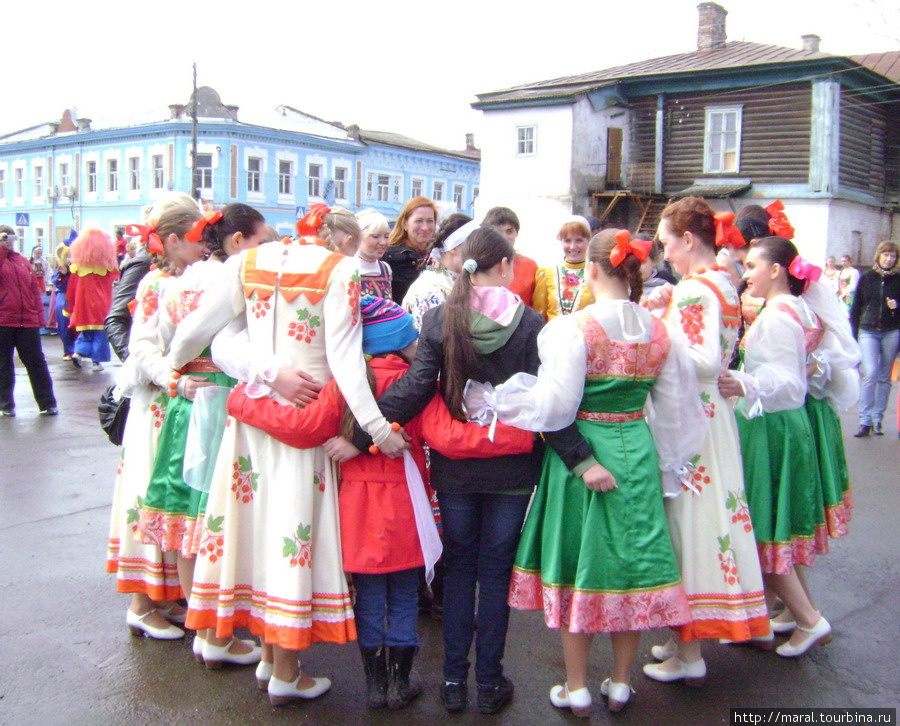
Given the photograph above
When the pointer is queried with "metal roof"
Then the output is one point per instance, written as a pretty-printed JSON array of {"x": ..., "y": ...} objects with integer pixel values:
[
  {"x": 734, "y": 54},
  {"x": 885, "y": 64},
  {"x": 392, "y": 139}
]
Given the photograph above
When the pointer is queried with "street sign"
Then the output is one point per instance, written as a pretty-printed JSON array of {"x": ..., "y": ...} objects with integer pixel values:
[
  {"x": 23, "y": 219},
  {"x": 300, "y": 211}
]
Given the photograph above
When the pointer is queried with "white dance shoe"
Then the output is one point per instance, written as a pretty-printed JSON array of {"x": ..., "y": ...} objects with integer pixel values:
[
  {"x": 578, "y": 700},
  {"x": 263, "y": 675},
  {"x": 281, "y": 692},
  {"x": 138, "y": 627},
  {"x": 665, "y": 651},
  {"x": 819, "y": 633},
  {"x": 215, "y": 656},
  {"x": 693, "y": 674},
  {"x": 617, "y": 694}
]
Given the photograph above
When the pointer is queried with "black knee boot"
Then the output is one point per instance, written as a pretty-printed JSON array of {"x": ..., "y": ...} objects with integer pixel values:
[
  {"x": 375, "y": 665},
  {"x": 403, "y": 685}
]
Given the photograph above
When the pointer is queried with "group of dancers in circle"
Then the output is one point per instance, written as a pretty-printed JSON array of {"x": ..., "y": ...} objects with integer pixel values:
[{"x": 291, "y": 426}]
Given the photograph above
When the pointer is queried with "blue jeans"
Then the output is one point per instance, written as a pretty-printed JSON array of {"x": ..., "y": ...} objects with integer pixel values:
[
  {"x": 481, "y": 534},
  {"x": 391, "y": 599},
  {"x": 878, "y": 353}
]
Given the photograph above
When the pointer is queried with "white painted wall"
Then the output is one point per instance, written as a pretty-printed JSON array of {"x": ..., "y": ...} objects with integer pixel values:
[{"x": 538, "y": 188}]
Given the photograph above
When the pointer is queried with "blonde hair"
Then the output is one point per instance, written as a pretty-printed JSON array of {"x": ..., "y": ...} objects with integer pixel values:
[
  {"x": 339, "y": 220},
  {"x": 173, "y": 214},
  {"x": 372, "y": 222}
]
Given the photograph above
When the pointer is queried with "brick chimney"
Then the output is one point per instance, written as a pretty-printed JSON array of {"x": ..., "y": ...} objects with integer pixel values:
[
  {"x": 470, "y": 142},
  {"x": 711, "y": 31},
  {"x": 811, "y": 43}
]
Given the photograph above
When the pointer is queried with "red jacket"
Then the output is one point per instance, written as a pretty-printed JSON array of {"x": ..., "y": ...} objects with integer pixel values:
[
  {"x": 89, "y": 298},
  {"x": 378, "y": 528},
  {"x": 21, "y": 304},
  {"x": 524, "y": 269}
]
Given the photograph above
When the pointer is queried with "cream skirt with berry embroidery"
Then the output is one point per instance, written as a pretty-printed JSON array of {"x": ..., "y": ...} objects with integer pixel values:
[
  {"x": 269, "y": 555},
  {"x": 140, "y": 568},
  {"x": 713, "y": 536}
]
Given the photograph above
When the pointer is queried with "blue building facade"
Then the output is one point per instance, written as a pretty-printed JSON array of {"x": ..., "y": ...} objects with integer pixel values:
[{"x": 59, "y": 176}]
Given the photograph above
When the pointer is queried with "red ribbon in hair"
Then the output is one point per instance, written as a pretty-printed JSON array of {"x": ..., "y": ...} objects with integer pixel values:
[
  {"x": 779, "y": 224},
  {"x": 148, "y": 237},
  {"x": 625, "y": 246},
  {"x": 309, "y": 224},
  {"x": 195, "y": 233},
  {"x": 727, "y": 235},
  {"x": 803, "y": 270}
]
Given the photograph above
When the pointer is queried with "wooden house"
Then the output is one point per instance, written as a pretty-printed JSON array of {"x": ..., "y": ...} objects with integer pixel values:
[{"x": 735, "y": 122}]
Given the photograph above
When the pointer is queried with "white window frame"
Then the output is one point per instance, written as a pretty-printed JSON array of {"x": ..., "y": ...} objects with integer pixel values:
[
  {"x": 254, "y": 176},
  {"x": 37, "y": 175},
  {"x": 91, "y": 176},
  {"x": 437, "y": 190},
  {"x": 65, "y": 175},
  {"x": 341, "y": 185},
  {"x": 314, "y": 184},
  {"x": 370, "y": 185},
  {"x": 134, "y": 173},
  {"x": 419, "y": 182},
  {"x": 39, "y": 238},
  {"x": 3, "y": 180},
  {"x": 717, "y": 165},
  {"x": 285, "y": 178},
  {"x": 158, "y": 172},
  {"x": 459, "y": 196},
  {"x": 526, "y": 145},
  {"x": 256, "y": 152},
  {"x": 204, "y": 184},
  {"x": 19, "y": 183},
  {"x": 112, "y": 176}
]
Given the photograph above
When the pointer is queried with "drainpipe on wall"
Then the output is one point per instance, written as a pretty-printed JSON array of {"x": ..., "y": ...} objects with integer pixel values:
[{"x": 660, "y": 144}]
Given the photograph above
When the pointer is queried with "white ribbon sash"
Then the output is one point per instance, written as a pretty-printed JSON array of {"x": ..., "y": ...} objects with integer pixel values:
[{"x": 429, "y": 539}]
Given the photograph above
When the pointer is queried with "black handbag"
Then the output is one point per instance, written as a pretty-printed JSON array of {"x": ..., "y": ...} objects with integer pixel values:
[{"x": 113, "y": 413}]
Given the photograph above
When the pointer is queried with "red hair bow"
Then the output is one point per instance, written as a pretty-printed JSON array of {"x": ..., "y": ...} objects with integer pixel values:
[
  {"x": 803, "y": 270},
  {"x": 309, "y": 223},
  {"x": 195, "y": 233},
  {"x": 148, "y": 237},
  {"x": 778, "y": 223},
  {"x": 727, "y": 235},
  {"x": 625, "y": 246}
]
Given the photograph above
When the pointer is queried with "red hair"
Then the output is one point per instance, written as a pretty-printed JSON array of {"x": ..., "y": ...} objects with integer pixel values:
[
  {"x": 94, "y": 248},
  {"x": 694, "y": 215},
  {"x": 398, "y": 233},
  {"x": 576, "y": 227}
]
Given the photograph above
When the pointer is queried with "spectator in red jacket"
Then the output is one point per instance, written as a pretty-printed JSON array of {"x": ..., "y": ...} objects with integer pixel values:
[{"x": 21, "y": 317}]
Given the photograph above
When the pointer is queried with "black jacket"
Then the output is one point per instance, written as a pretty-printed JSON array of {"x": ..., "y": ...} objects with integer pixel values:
[
  {"x": 404, "y": 264},
  {"x": 869, "y": 310},
  {"x": 409, "y": 395},
  {"x": 118, "y": 319}
]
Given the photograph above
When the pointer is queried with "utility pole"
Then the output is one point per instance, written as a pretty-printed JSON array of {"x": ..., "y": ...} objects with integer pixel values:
[{"x": 195, "y": 182}]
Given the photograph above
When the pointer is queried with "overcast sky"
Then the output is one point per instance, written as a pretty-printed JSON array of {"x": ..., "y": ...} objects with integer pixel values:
[{"x": 410, "y": 67}]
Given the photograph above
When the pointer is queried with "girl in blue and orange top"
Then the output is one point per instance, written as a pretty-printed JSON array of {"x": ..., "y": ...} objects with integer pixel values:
[{"x": 387, "y": 532}]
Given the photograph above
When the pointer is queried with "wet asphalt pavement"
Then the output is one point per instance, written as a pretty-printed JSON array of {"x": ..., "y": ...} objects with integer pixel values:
[{"x": 67, "y": 657}]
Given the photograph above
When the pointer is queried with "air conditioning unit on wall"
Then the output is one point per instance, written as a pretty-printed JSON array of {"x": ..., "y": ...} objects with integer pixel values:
[
  {"x": 68, "y": 192},
  {"x": 52, "y": 193}
]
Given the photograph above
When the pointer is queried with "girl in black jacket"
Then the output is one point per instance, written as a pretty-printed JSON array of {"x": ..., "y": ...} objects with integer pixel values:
[{"x": 486, "y": 333}]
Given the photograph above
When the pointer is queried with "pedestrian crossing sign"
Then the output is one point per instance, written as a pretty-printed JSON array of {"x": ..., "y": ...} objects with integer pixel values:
[{"x": 23, "y": 219}]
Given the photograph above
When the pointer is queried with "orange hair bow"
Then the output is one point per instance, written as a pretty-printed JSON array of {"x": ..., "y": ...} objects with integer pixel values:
[
  {"x": 778, "y": 222},
  {"x": 309, "y": 223},
  {"x": 195, "y": 233},
  {"x": 626, "y": 245},
  {"x": 148, "y": 237},
  {"x": 803, "y": 270},
  {"x": 727, "y": 235}
]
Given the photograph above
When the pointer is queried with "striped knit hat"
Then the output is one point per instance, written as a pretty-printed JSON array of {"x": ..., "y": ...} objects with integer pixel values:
[{"x": 386, "y": 326}]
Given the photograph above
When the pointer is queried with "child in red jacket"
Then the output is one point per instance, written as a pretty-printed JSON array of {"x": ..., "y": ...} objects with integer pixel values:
[{"x": 381, "y": 535}]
